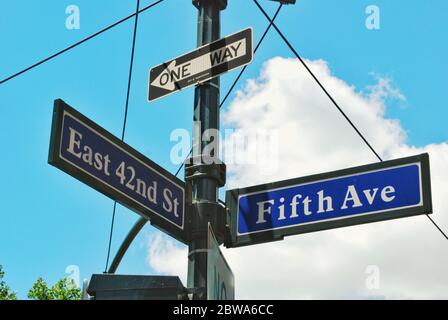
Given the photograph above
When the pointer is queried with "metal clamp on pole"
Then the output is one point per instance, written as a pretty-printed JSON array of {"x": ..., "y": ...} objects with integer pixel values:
[
  {"x": 215, "y": 213},
  {"x": 202, "y": 167}
]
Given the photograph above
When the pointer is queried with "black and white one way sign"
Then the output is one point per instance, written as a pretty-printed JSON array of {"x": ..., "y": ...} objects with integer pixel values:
[{"x": 201, "y": 65}]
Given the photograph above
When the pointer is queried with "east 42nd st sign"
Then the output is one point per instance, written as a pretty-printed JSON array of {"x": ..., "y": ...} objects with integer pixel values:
[{"x": 94, "y": 156}]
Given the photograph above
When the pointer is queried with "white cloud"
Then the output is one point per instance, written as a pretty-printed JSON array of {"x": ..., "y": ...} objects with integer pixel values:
[
  {"x": 165, "y": 257},
  {"x": 410, "y": 253}
]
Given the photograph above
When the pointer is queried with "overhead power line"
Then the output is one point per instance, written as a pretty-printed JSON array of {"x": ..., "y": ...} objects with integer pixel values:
[
  {"x": 255, "y": 51},
  {"x": 79, "y": 42},
  {"x": 317, "y": 81},
  {"x": 435, "y": 224},
  {"x": 288, "y": 43},
  {"x": 131, "y": 66}
]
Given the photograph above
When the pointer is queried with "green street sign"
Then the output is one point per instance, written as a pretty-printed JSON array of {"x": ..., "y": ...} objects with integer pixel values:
[{"x": 220, "y": 279}]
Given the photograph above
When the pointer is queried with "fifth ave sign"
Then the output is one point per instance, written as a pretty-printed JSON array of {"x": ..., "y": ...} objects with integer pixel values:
[
  {"x": 376, "y": 192},
  {"x": 201, "y": 65}
]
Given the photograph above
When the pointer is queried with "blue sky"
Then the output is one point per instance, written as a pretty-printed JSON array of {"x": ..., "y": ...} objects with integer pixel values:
[{"x": 49, "y": 220}]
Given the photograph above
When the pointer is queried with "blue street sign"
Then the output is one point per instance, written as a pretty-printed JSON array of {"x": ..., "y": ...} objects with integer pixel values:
[
  {"x": 94, "y": 156},
  {"x": 387, "y": 190}
]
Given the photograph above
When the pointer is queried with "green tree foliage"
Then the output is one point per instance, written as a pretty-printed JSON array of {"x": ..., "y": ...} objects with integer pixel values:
[
  {"x": 5, "y": 291},
  {"x": 64, "y": 289},
  {"x": 40, "y": 291}
]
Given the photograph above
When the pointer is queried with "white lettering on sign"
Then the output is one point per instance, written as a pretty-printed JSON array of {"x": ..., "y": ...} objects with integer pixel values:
[
  {"x": 127, "y": 174},
  {"x": 351, "y": 196},
  {"x": 262, "y": 209},
  {"x": 174, "y": 73},
  {"x": 325, "y": 203},
  {"x": 169, "y": 204},
  {"x": 86, "y": 153},
  {"x": 300, "y": 204},
  {"x": 385, "y": 192}
]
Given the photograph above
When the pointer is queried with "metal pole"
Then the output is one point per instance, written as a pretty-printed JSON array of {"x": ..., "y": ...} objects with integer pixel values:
[
  {"x": 126, "y": 243},
  {"x": 204, "y": 185}
]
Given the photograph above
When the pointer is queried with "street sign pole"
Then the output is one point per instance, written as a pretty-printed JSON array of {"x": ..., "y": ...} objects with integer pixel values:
[{"x": 204, "y": 177}]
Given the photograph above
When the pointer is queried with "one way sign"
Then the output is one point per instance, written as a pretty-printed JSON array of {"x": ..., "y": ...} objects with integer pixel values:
[{"x": 201, "y": 65}]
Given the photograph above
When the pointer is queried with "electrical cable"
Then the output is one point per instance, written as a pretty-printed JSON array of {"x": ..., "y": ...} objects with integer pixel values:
[
  {"x": 317, "y": 80},
  {"x": 79, "y": 42},
  {"x": 131, "y": 66}
]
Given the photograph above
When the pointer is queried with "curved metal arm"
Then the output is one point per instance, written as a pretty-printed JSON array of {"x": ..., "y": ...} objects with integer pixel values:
[{"x": 126, "y": 243}]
